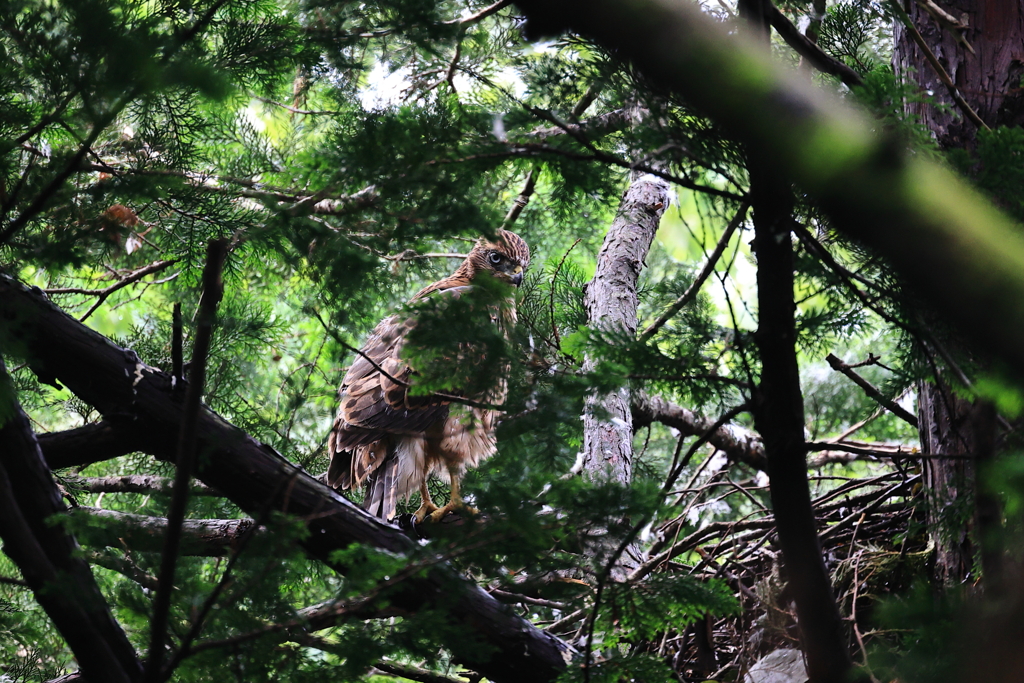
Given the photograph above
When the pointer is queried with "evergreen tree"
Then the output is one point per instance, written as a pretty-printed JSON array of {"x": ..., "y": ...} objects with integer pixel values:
[{"x": 218, "y": 200}]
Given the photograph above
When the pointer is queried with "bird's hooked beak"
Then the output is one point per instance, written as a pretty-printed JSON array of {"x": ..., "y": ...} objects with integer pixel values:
[{"x": 517, "y": 276}]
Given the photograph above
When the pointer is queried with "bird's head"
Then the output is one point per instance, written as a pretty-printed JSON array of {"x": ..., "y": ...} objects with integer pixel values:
[{"x": 506, "y": 258}]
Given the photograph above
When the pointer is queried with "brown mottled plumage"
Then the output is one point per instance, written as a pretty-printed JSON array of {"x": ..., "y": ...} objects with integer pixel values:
[{"x": 392, "y": 441}]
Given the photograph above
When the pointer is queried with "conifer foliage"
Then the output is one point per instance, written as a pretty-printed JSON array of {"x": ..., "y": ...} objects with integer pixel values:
[{"x": 206, "y": 205}]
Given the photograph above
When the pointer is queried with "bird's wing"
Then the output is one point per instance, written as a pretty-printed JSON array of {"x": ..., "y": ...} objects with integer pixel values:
[{"x": 375, "y": 403}]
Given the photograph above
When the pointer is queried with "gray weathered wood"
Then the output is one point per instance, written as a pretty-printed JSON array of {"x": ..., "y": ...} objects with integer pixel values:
[{"x": 611, "y": 302}]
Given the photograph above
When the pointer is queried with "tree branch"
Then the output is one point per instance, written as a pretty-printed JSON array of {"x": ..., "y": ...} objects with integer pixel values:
[
  {"x": 130, "y": 278},
  {"x": 213, "y": 290},
  {"x": 810, "y": 51},
  {"x": 47, "y": 557},
  {"x": 738, "y": 444},
  {"x": 691, "y": 292},
  {"x": 199, "y": 537},
  {"x": 88, "y": 444},
  {"x": 134, "y": 483},
  {"x": 872, "y": 392},
  {"x": 109, "y": 560}
]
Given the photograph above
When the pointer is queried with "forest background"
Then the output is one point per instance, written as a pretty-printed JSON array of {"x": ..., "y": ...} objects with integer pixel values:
[{"x": 764, "y": 393}]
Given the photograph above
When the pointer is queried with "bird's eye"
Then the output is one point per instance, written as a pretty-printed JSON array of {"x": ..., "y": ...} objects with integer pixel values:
[{"x": 495, "y": 258}]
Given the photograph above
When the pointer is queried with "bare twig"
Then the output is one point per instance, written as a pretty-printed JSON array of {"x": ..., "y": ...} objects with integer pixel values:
[
  {"x": 130, "y": 278},
  {"x": 691, "y": 291},
  {"x": 523, "y": 199},
  {"x": 216, "y": 254},
  {"x": 873, "y": 393}
]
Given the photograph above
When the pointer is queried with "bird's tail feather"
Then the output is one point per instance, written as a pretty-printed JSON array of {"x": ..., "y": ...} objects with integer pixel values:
[{"x": 382, "y": 489}]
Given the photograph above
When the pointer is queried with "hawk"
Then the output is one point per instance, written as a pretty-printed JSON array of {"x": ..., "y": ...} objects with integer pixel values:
[{"x": 393, "y": 441}]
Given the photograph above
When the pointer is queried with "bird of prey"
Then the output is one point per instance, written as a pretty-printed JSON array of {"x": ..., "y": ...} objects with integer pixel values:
[{"x": 392, "y": 440}]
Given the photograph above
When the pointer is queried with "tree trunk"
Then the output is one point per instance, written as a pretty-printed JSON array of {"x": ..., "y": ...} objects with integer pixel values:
[
  {"x": 779, "y": 417},
  {"x": 945, "y": 428},
  {"x": 779, "y": 410},
  {"x": 988, "y": 80},
  {"x": 611, "y": 301}
]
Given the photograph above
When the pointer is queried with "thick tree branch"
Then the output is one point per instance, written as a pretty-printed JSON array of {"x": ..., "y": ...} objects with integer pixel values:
[
  {"x": 253, "y": 475},
  {"x": 810, "y": 51},
  {"x": 738, "y": 444},
  {"x": 133, "y": 483},
  {"x": 199, "y": 537},
  {"x": 85, "y": 445},
  {"x": 47, "y": 556},
  {"x": 871, "y": 390},
  {"x": 592, "y": 129}
]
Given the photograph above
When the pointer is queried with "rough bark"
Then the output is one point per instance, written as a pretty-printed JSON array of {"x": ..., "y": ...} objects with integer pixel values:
[
  {"x": 959, "y": 507},
  {"x": 611, "y": 302},
  {"x": 256, "y": 478},
  {"x": 133, "y": 483},
  {"x": 48, "y": 557},
  {"x": 199, "y": 537},
  {"x": 988, "y": 80}
]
